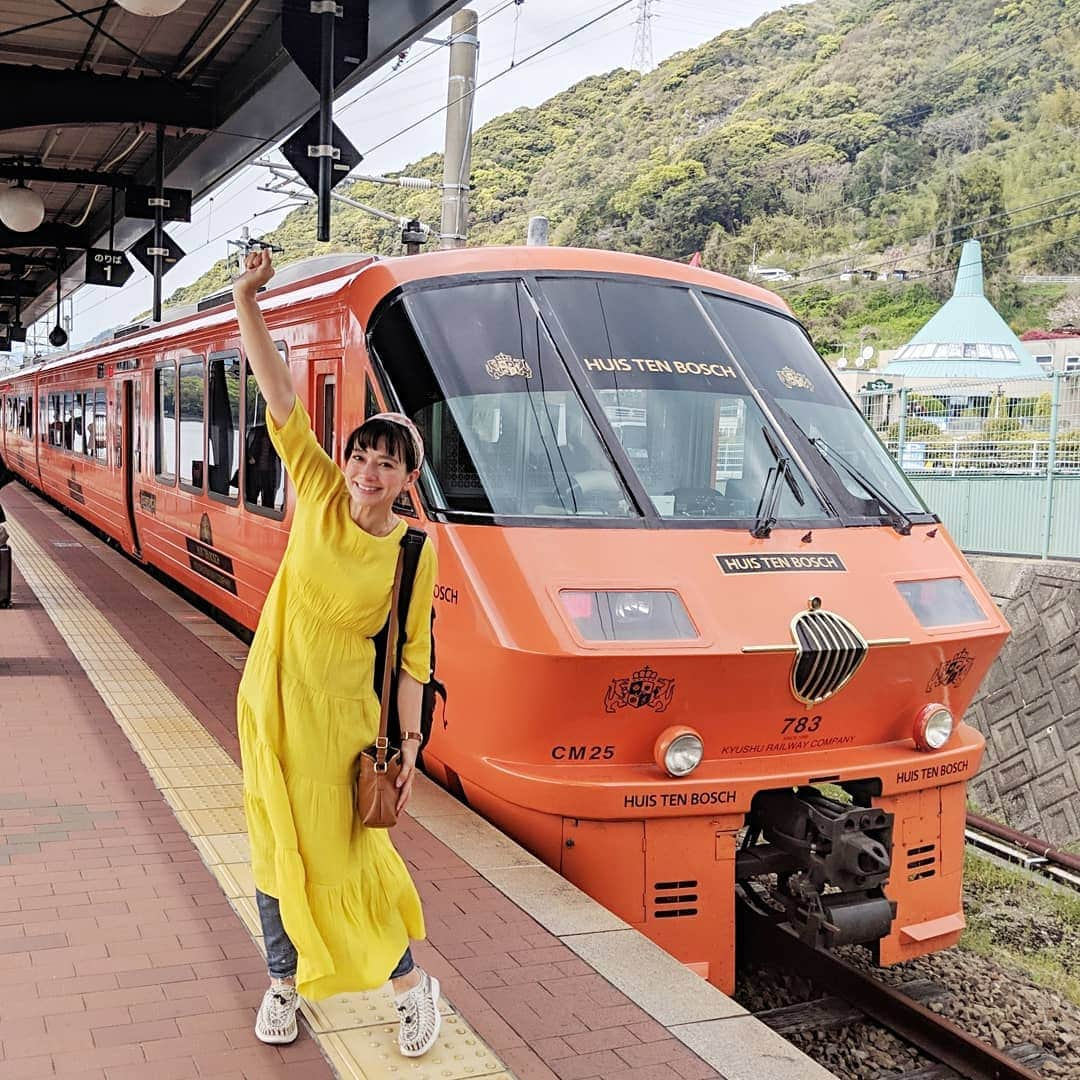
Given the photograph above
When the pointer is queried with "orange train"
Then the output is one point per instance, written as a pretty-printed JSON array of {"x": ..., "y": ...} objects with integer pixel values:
[{"x": 698, "y": 632}]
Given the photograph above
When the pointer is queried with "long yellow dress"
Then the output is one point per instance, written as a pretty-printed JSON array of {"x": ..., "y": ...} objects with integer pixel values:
[{"x": 306, "y": 707}]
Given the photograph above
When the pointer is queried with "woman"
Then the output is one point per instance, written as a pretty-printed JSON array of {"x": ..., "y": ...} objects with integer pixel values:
[{"x": 337, "y": 904}]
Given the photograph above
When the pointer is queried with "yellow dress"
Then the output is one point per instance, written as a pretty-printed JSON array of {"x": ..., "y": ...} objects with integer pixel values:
[{"x": 306, "y": 707}]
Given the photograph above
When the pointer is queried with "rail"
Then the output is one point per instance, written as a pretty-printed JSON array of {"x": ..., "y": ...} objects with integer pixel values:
[
  {"x": 1028, "y": 851},
  {"x": 763, "y": 941}
]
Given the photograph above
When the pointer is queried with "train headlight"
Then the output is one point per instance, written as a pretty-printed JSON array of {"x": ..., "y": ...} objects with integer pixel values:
[
  {"x": 679, "y": 750},
  {"x": 933, "y": 726},
  {"x": 641, "y": 615}
]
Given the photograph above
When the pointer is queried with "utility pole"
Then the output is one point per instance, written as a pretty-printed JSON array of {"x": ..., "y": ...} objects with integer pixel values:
[{"x": 457, "y": 154}]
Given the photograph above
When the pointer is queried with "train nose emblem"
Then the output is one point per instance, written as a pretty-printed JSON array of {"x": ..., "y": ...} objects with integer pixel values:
[{"x": 829, "y": 650}]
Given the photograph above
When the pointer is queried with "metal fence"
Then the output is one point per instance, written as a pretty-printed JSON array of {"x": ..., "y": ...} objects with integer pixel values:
[{"x": 997, "y": 460}]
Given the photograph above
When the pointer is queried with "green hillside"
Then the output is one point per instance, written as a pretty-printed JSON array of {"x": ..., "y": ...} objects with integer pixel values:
[{"x": 874, "y": 134}]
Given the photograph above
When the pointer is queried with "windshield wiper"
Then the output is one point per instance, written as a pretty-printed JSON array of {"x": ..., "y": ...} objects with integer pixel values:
[
  {"x": 897, "y": 518},
  {"x": 765, "y": 518}
]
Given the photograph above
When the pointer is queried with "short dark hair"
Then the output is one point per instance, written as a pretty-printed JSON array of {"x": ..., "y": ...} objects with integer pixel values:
[{"x": 383, "y": 436}]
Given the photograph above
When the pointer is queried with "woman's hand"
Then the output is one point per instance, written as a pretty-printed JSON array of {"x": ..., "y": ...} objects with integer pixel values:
[
  {"x": 259, "y": 271},
  {"x": 408, "y": 771}
]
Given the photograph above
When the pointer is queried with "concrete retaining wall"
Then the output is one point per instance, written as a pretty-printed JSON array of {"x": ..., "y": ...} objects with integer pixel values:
[{"x": 1029, "y": 705}]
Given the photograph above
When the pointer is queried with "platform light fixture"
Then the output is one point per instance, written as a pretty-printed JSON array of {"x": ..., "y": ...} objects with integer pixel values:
[
  {"x": 21, "y": 209},
  {"x": 151, "y": 9}
]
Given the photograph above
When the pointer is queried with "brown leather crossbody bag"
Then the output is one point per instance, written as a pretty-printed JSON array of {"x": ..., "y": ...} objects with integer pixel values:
[{"x": 379, "y": 766}]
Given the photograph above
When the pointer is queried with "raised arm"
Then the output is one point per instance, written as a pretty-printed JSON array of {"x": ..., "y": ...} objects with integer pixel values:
[{"x": 269, "y": 369}]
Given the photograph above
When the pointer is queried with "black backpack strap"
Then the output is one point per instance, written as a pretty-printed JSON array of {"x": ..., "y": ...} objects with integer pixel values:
[{"x": 412, "y": 544}]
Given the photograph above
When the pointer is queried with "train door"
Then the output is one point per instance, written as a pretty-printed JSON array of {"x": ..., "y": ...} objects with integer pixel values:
[
  {"x": 326, "y": 405},
  {"x": 127, "y": 445}
]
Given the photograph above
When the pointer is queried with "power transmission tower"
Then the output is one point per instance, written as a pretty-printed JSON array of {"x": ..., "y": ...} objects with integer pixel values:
[{"x": 643, "y": 60}]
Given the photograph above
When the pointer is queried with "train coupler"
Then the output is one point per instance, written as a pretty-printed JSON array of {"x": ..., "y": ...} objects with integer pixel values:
[{"x": 830, "y": 861}]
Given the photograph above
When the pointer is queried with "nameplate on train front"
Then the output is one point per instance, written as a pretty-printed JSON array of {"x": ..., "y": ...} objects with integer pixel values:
[{"x": 779, "y": 563}]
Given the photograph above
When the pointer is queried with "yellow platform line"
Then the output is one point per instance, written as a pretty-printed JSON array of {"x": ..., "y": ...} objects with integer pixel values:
[{"x": 202, "y": 785}]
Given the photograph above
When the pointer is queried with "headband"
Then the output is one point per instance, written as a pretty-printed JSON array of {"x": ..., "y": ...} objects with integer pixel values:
[{"x": 403, "y": 421}]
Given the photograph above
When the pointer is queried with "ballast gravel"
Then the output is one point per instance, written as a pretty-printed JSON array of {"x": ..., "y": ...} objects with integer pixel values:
[{"x": 997, "y": 1004}]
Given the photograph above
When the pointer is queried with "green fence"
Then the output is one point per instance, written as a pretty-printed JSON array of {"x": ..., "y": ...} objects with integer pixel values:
[{"x": 998, "y": 461}]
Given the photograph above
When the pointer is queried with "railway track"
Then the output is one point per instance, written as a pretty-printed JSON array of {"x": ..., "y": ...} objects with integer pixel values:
[
  {"x": 1026, "y": 851},
  {"x": 857, "y": 997}
]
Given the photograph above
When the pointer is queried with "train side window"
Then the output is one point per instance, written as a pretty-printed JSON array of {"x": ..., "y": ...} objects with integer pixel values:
[
  {"x": 223, "y": 444},
  {"x": 100, "y": 446},
  {"x": 29, "y": 416},
  {"x": 54, "y": 420},
  {"x": 118, "y": 426},
  {"x": 326, "y": 428},
  {"x": 165, "y": 423},
  {"x": 264, "y": 477},
  {"x": 192, "y": 423},
  {"x": 69, "y": 421},
  {"x": 78, "y": 425}
]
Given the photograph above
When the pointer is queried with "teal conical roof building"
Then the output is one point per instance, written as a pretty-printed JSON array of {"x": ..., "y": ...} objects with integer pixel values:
[{"x": 967, "y": 338}]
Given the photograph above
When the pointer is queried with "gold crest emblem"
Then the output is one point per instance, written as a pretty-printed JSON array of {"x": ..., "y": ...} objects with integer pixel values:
[
  {"x": 505, "y": 365},
  {"x": 794, "y": 380}
]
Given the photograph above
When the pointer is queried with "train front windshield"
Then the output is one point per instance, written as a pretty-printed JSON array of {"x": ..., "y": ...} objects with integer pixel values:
[{"x": 521, "y": 388}]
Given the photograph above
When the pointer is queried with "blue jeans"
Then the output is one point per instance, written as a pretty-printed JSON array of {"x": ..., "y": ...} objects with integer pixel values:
[{"x": 280, "y": 951}]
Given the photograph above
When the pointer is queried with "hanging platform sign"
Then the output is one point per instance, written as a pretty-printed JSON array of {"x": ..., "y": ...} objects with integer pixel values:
[
  {"x": 171, "y": 252},
  {"x": 302, "y": 40},
  {"x": 142, "y": 202},
  {"x": 303, "y": 152},
  {"x": 104, "y": 267}
]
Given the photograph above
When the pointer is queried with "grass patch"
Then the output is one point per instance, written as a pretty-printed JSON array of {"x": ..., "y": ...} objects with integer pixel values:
[{"x": 1018, "y": 920}]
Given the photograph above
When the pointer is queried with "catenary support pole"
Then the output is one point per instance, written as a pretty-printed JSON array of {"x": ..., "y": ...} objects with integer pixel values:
[
  {"x": 457, "y": 155},
  {"x": 538, "y": 231},
  {"x": 159, "y": 184},
  {"x": 327, "y": 14},
  {"x": 1051, "y": 462},
  {"x": 901, "y": 427}
]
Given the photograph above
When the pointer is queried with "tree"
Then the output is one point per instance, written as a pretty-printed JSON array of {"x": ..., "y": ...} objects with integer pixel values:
[{"x": 970, "y": 203}]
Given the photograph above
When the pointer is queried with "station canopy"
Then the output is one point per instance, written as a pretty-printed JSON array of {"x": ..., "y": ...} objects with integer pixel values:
[
  {"x": 966, "y": 338},
  {"x": 85, "y": 83}
]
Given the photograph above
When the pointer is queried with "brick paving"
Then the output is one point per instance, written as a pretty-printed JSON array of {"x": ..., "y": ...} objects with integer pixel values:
[
  {"x": 119, "y": 955},
  {"x": 118, "y": 951}
]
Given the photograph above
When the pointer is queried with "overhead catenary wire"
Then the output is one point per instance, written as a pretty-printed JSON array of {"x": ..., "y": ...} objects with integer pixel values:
[
  {"x": 937, "y": 247},
  {"x": 903, "y": 119},
  {"x": 498, "y": 75},
  {"x": 955, "y": 227}
]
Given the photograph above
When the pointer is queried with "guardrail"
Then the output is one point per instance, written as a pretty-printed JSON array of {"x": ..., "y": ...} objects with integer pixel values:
[{"x": 997, "y": 460}]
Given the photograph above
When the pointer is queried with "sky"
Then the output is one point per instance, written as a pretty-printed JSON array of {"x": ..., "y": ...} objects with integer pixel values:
[{"x": 374, "y": 114}]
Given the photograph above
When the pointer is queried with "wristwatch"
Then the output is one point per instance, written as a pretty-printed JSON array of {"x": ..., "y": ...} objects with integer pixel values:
[{"x": 417, "y": 735}]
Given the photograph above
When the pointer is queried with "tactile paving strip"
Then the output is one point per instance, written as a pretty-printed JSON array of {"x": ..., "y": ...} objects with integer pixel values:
[
  {"x": 203, "y": 786},
  {"x": 358, "y": 1011},
  {"x": 458, "y": 1055}
]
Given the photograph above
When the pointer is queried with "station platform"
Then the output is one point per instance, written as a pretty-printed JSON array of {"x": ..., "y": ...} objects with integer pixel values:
[{"x": 129, "y": 936}]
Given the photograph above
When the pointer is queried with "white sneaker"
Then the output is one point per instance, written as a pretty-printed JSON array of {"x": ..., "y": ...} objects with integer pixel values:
[
  {"x": 420, "y": 1019},
  {"x": 276, "y": 1022}
]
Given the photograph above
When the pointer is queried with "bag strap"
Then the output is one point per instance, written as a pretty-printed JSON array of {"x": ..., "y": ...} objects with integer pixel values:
[
  {"x": 412, "y": 543},
  {"x": 381, "y": 742}
]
